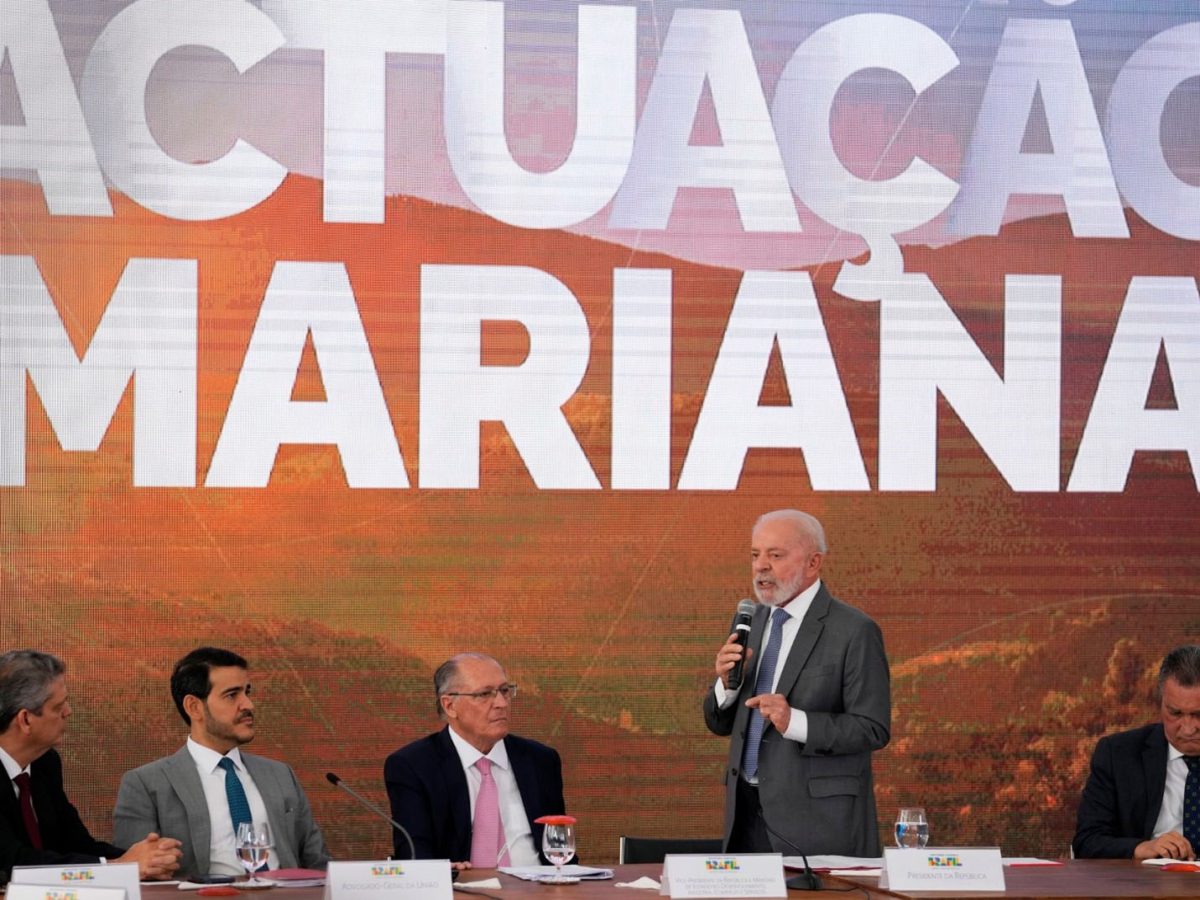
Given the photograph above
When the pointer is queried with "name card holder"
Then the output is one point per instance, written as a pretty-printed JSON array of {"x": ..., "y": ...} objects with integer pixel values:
[
  {"x": 111, "y": 875},
  {"x": 416, "y": 879},
  {"x": 59, "y": 892},
  {"x": 942, "y": 869},
  {"x": 723, "y": 875}
]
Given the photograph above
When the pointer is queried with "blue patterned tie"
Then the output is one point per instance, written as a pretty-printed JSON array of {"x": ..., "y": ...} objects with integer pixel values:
[
  {"x": 1191, "y": 802},
  {"x": 762, "y": 685},
  {"x": 239, "y": 806}
]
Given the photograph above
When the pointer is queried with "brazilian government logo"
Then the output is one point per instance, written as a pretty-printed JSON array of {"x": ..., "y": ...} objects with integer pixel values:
[
  {"x": 730, "y": 864},
  {"x": 944, "y": 861},
  {"x": 385, "y": 871}
]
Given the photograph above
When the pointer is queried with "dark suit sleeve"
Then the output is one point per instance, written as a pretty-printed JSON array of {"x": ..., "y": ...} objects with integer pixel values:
[
  {"x": 66, "y": 839},
  {"x": 864, "y": 721},
  {"x": 412, "y": 803},
  {"x": 551, "y": 801},
  {"x": 1098, "y": 830}
]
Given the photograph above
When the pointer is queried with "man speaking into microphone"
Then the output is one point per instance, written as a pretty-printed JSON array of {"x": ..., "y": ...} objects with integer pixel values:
[{"x": 814, "y": 702}]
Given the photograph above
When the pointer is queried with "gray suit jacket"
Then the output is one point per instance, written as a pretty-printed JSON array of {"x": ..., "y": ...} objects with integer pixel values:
[
  {"x": 819, "y": 796},
  {"x": 166, "y": 796}
]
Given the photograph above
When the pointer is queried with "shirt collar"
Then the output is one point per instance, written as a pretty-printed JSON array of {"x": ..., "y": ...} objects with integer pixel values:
[
  {"x": 798, "y": 605},
  {"x": 469, "y": 755},
  {"x": 1173, "y": 753},
  {"x": 208, "y": 759},
  {"x": 10, "y": 765}
]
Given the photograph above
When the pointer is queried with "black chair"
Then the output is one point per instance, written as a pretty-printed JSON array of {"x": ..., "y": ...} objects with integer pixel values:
[{"x": 653, "y": 850}]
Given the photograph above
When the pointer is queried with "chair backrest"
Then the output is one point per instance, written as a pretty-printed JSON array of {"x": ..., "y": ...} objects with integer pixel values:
[{"x": 653, "y": 850}]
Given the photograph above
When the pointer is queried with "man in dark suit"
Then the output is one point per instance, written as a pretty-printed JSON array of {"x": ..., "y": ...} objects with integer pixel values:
[
  {"x": 470, "y": 793},
  {"x": 1141, "y": 780},
  {"x": 813, "y": 704},
  {"x": 38, "y": 824}
]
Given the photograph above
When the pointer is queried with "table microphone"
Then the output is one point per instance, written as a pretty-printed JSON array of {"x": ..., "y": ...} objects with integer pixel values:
[
  {"x": 741, "y": 632},
  {"x": 808, "y": 880},
  {"x": 338, "y": 783}
]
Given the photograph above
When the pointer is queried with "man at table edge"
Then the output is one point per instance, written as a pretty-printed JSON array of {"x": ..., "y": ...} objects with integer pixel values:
[{"x": 1141, "y": 780}]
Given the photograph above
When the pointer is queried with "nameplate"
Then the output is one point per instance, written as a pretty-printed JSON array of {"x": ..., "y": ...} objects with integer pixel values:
[
  {"x": 943, "y": 869},
  {"x": 416, "y": 879},
  {"x": 723, "y": 875},
  {"x": 58, "y": 892},
  {"x": 112, "y": 875}
]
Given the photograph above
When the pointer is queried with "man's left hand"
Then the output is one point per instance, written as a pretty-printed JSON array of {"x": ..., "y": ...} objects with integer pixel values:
[{"x": 774, "y": 708}]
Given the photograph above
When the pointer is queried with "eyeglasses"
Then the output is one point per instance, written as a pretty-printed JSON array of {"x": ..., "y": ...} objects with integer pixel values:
[{"x": 507, "y": 691}]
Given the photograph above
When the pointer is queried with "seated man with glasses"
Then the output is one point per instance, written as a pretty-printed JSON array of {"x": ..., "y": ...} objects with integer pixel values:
[{"x": 470, "y": 793}]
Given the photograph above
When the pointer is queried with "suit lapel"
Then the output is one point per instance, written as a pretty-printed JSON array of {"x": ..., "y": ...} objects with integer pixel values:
[
  {"x": 180, "y": 772},
  {"x": 526, "y": 775},
  {"x": 455, "y": 780},
  {"x": 265, "y": 778},
  {"x": 1154, "y": 768},
  {"x": 806, "y": 638}
]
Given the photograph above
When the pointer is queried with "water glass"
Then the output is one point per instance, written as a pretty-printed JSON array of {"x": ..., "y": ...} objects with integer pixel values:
[{"x": 912, "y": 829}]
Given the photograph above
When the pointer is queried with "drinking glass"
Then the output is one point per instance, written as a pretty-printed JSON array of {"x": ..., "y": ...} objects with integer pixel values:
[
  {"x": 558, "y": 845},
  {"x": 253, "y": 846},
  {"x": 912, "y": 830}
]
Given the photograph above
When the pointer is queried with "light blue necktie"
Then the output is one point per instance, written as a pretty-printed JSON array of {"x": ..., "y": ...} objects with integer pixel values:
[
  {"x": 762, "y": 685},
  {"x": 239, "y": 806}
]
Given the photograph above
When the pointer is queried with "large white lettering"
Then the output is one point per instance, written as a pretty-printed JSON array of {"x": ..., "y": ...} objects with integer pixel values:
[
  {"x": 355, "y": 36},
  {"x": 113, "y": 93},
  {"x": 147, "y": 334},
  {"x": 925, "y": 350},
  {"x": 605, "y": 118},
  {"x": 774, "y": 307},
  {"x": 1039, "y": 55},
  {"x": 54, "y": 139},
  {"x": 458, "y": 392},
  {"x": 304, "y": 299},
  {"x": 1159, "y": 314},
  {"x": 706, "y": 46}
]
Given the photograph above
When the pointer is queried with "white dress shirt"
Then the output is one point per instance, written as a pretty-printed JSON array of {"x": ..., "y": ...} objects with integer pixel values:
[
  {"x": 13, "y": 769},
  {"x": 222, "y": 851},
  {"x": 517, "y": 835},
  {"x": 1170, "y": 814},
  {"x": 797, "y": 609}
]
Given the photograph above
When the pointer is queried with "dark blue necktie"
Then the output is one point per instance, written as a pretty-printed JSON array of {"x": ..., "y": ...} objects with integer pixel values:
[
  {"x": 762, "y": 685},
  {"x": 239, "y": 806},
  {"x": 1191, "y": 802}
]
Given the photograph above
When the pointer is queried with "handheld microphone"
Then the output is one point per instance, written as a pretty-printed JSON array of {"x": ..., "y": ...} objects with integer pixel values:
[
  {"x": 808, "y": 880},
  {"x": 338, "y": 783},
  {"x": 741, "y": 629}
]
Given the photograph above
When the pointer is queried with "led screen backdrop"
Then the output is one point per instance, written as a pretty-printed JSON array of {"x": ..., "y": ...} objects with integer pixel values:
[{"x": 352, "y": 334}]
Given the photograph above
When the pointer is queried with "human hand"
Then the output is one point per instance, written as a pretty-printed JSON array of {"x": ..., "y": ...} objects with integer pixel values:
[
  {"x": 731, "y": 651},
  {"x": 773, "y": 707},
  {"x": 1171, "y": 845},
  {"x": 157, "y": 857}
]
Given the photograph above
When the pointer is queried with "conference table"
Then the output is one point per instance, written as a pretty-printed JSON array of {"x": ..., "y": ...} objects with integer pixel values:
[{"x": 1079, "y": 879}]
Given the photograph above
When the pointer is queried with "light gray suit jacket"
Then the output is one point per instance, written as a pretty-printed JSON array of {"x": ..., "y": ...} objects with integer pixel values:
[
  {"x": 166, "y": 797},
  {"x": 819, "y": 795}
]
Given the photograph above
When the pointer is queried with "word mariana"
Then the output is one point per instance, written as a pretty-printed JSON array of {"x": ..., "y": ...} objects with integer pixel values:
[{"x": 149, "y": 335}]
